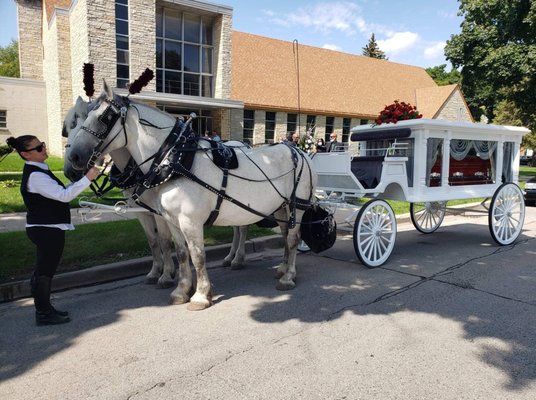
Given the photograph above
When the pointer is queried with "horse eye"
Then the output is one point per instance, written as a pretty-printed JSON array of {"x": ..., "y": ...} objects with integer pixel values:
[{"x": 73, "y": 122}]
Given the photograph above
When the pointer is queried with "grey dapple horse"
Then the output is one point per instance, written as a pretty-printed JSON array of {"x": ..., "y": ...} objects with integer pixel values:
[
  {"x": 156, "y": 228},
  {"x": 274, "y": 179}
]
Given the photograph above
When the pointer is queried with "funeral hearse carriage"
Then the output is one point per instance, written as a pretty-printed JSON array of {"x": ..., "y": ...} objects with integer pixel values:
[{"x": 426, "y": 163}]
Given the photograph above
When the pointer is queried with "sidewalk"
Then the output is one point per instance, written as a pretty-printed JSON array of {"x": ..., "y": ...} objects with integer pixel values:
[
  {"x": 16, "y": 221},
  {"x": 134, "y": 267},
  {"x": 114, "y": 271}
]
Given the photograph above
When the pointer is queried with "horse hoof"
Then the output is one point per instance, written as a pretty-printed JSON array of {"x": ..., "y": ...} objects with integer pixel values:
[
  {"x": 151, "y": 281},
  {"x": 226, "y": 263},
  {"x": 278, "y": 274},
  {"x": 176, "y": 300},
  {"x": 235, "y": 267},
  {"x": 288, "y": 285},
  {"x": 197, "y": 306},
  {"x": 165, "y": 284}
]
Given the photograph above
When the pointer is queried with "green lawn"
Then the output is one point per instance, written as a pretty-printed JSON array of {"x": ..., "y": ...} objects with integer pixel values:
[
  {"x": 90, "y": 244},
  {"x": 13, "y": 163},
  {"x": 95, "y": 244}
]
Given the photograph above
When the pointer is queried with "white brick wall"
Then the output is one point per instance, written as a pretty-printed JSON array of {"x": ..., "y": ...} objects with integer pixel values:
[
  {"x": 29, "y": 16},
  {"x": 142, "y": 39},
  {"x": 57, "y": 76},
  {"x": 79, "y": 47}
]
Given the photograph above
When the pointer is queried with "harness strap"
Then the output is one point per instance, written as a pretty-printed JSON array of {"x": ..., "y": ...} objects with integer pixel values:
[
  {"x": 214, "y": 214},
  {"x": 169, "y": 144},
  {"x": 184, "y": 172}
]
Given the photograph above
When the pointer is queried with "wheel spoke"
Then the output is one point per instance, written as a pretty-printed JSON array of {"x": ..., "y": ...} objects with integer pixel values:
[
  {"x": 506, "y": 214},
  {"x": 374, "y": 233}
]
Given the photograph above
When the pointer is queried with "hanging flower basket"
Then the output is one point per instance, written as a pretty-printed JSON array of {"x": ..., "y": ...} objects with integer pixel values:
[{"x": 398, "y": 111}]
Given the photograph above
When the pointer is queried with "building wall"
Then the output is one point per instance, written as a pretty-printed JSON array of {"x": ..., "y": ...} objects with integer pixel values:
[
  {"x": 57, "y": 76},
  {"x": 259, "y": 134},
  {"x": 30, "y": 16},
  {"x": 79, "y": 47},
  {"x": 142, "y": 39},
  {"x": 237, "y": 124},
  {"x": 455, "y": 109},
  {"x": 24, "y": 102},
  {"x": 222, "y": 56},
  {"x": 281, "y": 125},
  {"x": 101, "y": 41}
]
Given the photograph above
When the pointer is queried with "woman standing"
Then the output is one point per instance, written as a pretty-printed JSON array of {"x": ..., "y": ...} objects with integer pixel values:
[{"x": 48, "y": 217}]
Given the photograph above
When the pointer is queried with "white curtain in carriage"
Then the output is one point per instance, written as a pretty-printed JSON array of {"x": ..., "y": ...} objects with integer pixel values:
[
  {"x": 508, "y": 162},
  {"x": 434, "y": 145},
  {"x": 459, "y": 148}
]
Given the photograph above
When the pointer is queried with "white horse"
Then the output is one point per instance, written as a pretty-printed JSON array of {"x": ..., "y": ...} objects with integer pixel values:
[
  {"x": 155, "y": 228},
  {"x": 267, "y": 181}
]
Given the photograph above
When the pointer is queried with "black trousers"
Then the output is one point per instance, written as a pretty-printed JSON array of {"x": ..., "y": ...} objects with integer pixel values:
[{"x": 49, "y": 243}]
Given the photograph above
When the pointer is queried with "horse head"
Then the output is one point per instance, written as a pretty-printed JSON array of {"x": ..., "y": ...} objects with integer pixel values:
[
  {"x": 98, "y": 134},
  {"x": 71, "y": 125}
]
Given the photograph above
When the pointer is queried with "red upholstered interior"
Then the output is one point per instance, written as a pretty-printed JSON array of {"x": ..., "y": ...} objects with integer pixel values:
[{"x": 471, "y": 170}]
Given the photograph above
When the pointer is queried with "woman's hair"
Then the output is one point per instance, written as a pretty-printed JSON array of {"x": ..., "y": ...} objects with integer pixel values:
[
  {"x": 320, "y": 140},
  {"x": 20, "y": 143}
]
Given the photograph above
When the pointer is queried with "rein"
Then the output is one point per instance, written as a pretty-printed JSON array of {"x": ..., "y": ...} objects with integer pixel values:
[{"x": 178, "y": 136}]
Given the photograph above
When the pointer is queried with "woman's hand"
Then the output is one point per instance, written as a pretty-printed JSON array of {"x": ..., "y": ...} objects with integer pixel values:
[{"x": 92, "y": 173}]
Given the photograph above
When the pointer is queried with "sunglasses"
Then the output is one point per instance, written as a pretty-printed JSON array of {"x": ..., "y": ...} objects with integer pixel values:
[{"x": 39, "y": 148}]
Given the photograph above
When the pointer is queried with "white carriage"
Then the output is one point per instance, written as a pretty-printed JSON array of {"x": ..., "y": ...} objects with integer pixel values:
[{"x": 426, "y": 163}]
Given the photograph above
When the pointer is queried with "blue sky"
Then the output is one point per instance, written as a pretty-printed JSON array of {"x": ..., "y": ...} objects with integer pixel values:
[{"x": 410, "y": 32}]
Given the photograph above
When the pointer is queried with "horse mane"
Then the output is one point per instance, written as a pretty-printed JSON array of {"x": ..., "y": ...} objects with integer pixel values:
[{"x": 156, "y": 120}]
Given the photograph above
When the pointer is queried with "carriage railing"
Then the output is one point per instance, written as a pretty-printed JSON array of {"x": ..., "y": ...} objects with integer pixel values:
[{"x": 395, "y": 149}]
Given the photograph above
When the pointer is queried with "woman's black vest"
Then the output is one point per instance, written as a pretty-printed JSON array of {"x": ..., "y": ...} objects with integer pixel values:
[{"x": 42, "y": 210}]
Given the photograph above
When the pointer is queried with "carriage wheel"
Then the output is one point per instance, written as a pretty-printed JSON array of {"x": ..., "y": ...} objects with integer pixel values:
[
  {"x": 374, "y": 233},
  {"x": 303, "y": 248},
  {"x": 427, "y": 217},
  {"x": 506, "y": 213}
]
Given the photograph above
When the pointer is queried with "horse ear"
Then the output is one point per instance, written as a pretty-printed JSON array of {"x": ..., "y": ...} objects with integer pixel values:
[
  {"x": 79, "y": 101},
  {"x": 106, "y": 89}
]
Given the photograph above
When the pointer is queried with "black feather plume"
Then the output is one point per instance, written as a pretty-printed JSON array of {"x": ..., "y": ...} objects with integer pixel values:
[
  {"x": 141, "y": 82},
  {"x": 88, "y": 79}
]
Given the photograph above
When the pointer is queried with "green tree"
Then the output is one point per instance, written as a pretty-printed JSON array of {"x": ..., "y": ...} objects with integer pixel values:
[
  {"x": 496, "y": 51},
  {"x": 9, "y": 60},
  {"x": 373, "y": 50},
  {"x": 442, "y": 77},
  {"x": 506, "y": 113}
]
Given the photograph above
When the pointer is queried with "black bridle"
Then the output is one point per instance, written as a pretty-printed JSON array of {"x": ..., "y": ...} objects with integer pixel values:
[{"x": 108, "y": 119}]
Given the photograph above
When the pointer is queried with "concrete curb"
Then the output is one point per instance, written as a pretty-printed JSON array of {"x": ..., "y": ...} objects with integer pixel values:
[
  {"x": 125, "y": 269},
  {"x": 130, "y": 268}
]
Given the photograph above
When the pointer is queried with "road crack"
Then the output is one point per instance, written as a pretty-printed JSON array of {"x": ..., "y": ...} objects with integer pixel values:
[{"x": 434, "y": 277}]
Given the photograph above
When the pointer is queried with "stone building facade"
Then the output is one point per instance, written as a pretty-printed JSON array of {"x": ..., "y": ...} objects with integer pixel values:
[
  {"x": 241, "y": 85},
  {"x": 58, "y": 36}
]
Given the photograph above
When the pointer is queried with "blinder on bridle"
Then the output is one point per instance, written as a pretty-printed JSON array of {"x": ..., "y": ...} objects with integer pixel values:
[{"x": 107, "y": 120}]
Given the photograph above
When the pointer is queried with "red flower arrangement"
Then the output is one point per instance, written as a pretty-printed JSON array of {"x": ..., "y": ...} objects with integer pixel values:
[{"x": 398, "y": 111}]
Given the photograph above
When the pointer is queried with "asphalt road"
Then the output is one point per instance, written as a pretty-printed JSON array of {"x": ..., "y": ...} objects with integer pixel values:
[{"x": 450, "y": 316}]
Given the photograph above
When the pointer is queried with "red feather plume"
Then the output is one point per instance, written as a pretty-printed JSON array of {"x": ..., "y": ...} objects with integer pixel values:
[
  {"x": 88, "y": 79},
  {"x": 141, "y": 82}
]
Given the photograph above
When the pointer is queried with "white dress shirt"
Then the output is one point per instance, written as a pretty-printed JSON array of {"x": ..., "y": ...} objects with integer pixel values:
[{"x": 42, "y": 184}]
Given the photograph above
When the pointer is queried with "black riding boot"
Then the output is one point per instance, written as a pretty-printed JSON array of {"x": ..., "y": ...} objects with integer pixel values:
[
  {"x": 45, "y": 314},
  {"x": 33, "y": 284}
]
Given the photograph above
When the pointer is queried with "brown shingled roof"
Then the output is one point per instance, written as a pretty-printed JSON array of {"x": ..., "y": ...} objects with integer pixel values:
[
  {"x": 51, "y": 4},
  {"x": 264, "y": 76},
  {"x": 431, "y": 99}
]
